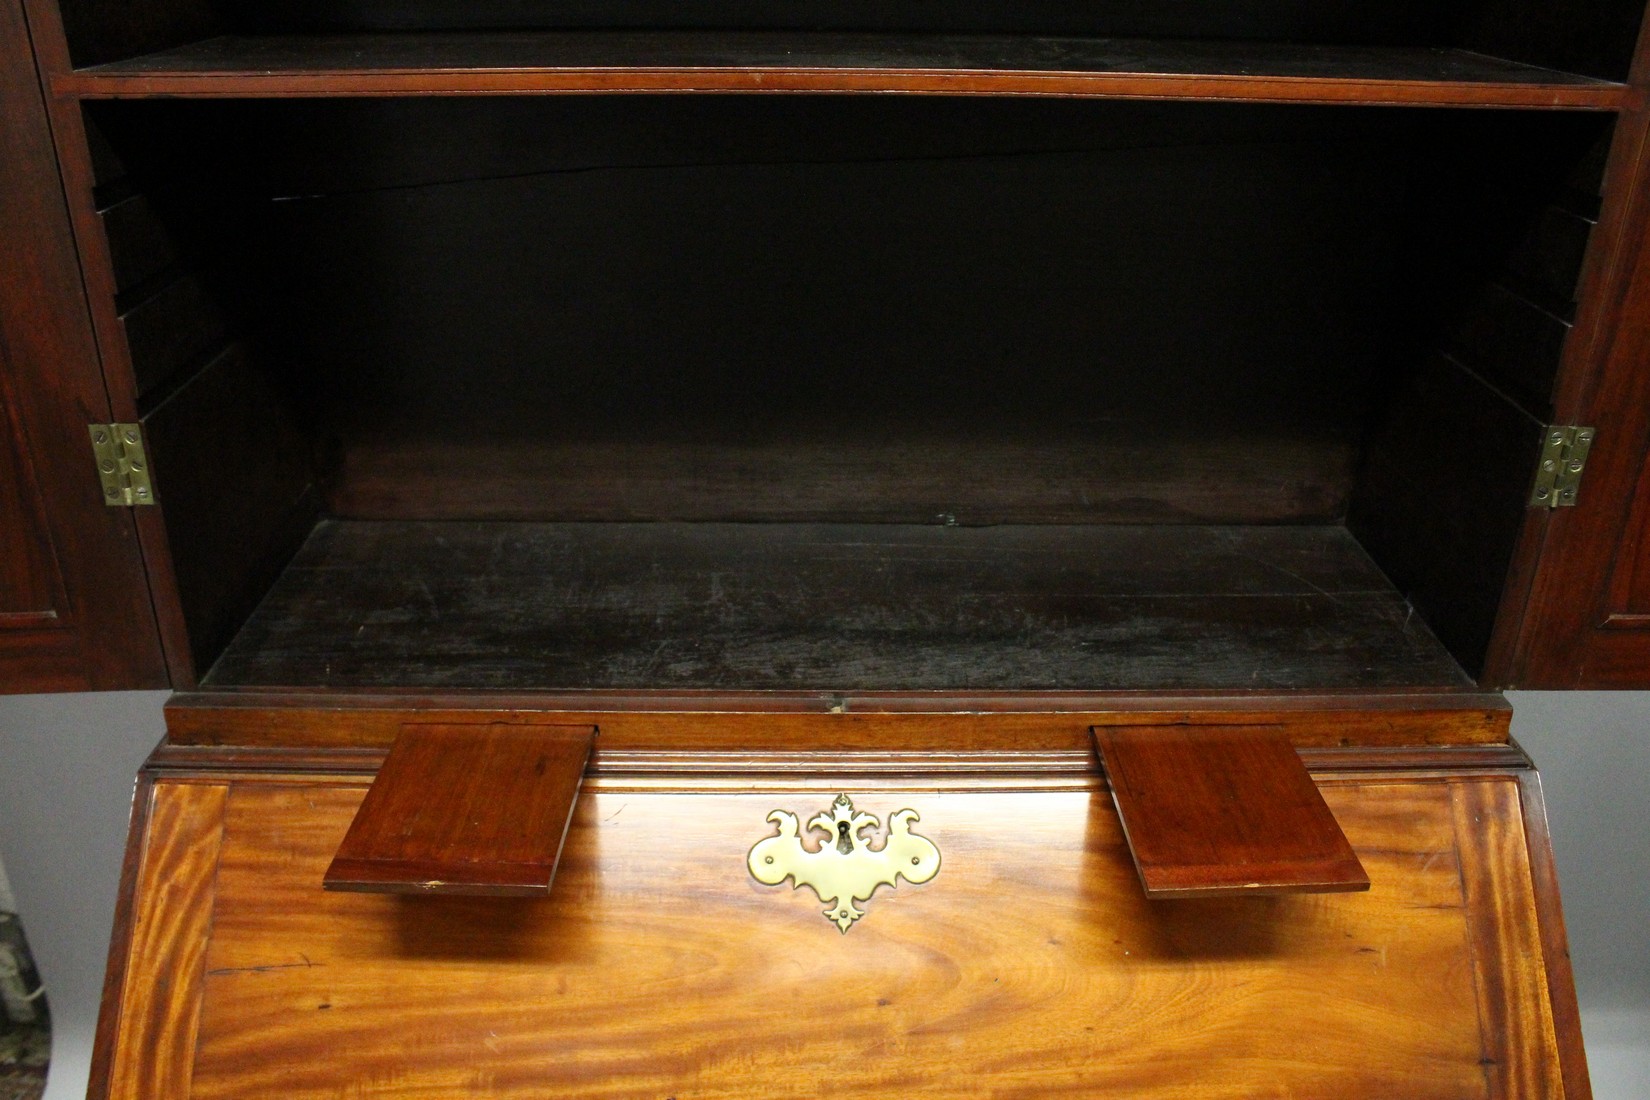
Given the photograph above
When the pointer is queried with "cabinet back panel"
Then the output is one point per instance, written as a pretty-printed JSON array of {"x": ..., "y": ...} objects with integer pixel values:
[
  {"x": 1326, "y": 20},
  {"x": 1595, "y": 37},
  {"x": 827, "y": 309}
]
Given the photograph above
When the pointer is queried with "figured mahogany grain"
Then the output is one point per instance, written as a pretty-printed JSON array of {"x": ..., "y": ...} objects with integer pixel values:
[
  {"x": 1220, "y": 810},
  {"x": 173, "y": 895},
  {"x": 1031, "y": 966},
  {"x": 1519, "y": 1002},
  {"x": 466, "y": 809},
  {"x": 1555, "y": 944}
]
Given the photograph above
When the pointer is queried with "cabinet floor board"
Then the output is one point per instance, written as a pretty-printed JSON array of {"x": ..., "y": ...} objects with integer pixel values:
[{"x": 543, "y": 606}]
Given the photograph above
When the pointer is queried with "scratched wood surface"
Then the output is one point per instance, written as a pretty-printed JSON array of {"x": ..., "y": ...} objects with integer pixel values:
[
  {"x": 897, "y": 607},
  {"x": 1030, "y": 966}
]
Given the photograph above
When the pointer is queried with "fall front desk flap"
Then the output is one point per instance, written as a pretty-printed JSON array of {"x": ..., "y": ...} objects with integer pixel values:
[{"x": 982, "y": 934}]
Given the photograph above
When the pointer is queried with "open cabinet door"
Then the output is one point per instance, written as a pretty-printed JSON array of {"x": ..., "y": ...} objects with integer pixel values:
[
  {"x": 75, "y": 611},
  {"x": 1584, "y": 620}
]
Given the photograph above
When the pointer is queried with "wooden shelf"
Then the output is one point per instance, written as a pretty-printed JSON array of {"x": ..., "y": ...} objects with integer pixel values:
[
  {"x": 867, "y": 607},
  {"x": 614, "y": 61}
]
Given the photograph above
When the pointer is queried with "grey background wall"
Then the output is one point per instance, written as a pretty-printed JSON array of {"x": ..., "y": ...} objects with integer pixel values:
[{"x": 67, "y": 762}]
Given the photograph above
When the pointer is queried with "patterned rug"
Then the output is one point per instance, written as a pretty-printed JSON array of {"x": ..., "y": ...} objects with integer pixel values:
[{"x": 25, "y": 1023}]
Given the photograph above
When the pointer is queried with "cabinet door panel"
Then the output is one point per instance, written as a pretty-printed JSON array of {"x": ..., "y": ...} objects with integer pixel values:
[
  {"x": 30, "y": 586},
  {"x": 1577, "y": 610},
  {"x": 74, "y": 603}
]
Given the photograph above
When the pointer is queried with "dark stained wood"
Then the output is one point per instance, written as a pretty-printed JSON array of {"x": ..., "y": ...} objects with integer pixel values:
[
  {"x": 74, "y": 605},
  {"x": 1016, "y": 764},
  {"x": 840, "y": 607},
  {"x": 232, "y": 475},
  {"x": 1217, "y": 811},
  {"x": 1573, "y": 622},
  {"x": 466, "y": 809},
  {"x": 1551, "y": 256},
  {"x": 140, "y": 247},
  {"x": 1445, "y": 530},
  {"x": 845, "y": 472},
  {"x": 1591, "y": 36},
  {"x": 79, "y": 187},
  {"x": 849, "y": 315},
  {"x": 101, "y": 30},
  {"x": 30, "y": 586},
  {"x": 1285, "y": 20},
  {"x": 769, "y": 62},
  {"x": 170, "y": 331},
  {"x": 1514, "y": 343}
]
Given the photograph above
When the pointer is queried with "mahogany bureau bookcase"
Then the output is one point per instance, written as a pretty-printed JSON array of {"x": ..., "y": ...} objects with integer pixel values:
[{"x": 842, "y": 548}]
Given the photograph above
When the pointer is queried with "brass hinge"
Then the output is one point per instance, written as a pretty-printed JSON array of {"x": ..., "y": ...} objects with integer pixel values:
[
  {"x": 122, "y": 464},
  {"x": 1564, "y": 450}
]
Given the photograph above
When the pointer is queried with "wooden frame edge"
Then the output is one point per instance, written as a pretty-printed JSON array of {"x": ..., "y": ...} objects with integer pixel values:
[
  {"x": 120, "y": 938},
  {"x": 1555, "y": 946}
]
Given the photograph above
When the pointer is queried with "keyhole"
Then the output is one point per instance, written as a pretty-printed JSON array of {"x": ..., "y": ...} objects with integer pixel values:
[{"x": 844, "y": 842}]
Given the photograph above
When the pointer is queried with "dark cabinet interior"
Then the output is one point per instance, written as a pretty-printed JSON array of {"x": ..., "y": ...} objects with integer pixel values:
[{"x": 822, "y": 393}]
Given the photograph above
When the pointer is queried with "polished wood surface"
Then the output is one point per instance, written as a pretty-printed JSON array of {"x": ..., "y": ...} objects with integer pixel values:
[
  {"x": 1555, "y": 951},
  {"x": 1031, "y": 962},
  {"x": 74, "y": 607},
  {"x": 465, "y": 809},
  {"x": 831, "y": 607},
  {"x": 160, "y": 991},
  {"x": 816, "y": 721},
  {"x": 434, "y": 63},
  {"x": 1510, "y": 990},
  {"x": 1573, "y": 615},
  {"x": 128, "y": 24},
  {"x": 1221, "y": 811}
]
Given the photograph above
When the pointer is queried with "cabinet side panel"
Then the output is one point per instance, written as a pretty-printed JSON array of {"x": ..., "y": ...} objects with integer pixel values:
[{"x": 1583, "y": 623}]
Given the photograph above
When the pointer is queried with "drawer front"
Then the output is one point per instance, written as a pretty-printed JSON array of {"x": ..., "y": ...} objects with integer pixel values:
[{"x": 1029, "y": 965}]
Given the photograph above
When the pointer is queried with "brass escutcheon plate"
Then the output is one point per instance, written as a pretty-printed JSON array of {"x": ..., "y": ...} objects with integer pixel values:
[{"x": 845, "y": 870}]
